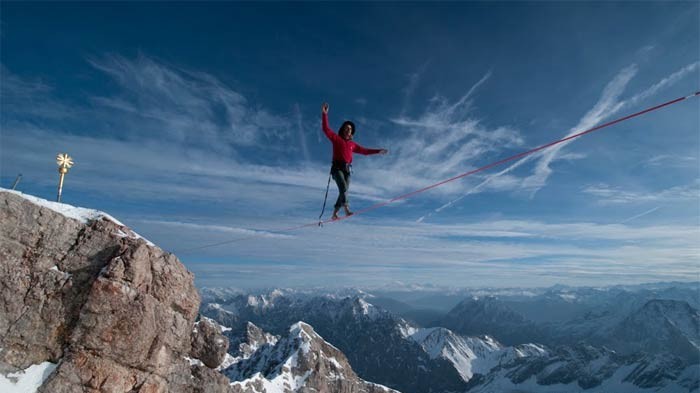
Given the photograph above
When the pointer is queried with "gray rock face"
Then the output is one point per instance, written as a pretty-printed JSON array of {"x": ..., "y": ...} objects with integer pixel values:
[
  {"x": 252, "y": 340},
  {"x": 208, "y": 344},
  {"x": 301, "y": 362},
  {"x": 115, "y": 310}
]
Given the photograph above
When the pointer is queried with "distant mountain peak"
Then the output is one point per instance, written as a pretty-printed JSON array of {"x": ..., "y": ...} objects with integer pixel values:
[{"x": 302, "y": 361}]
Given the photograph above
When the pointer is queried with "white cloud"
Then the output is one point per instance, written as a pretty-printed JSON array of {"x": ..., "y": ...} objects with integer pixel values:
[
  {"x": 640, "y": 215},
  {"x": 663, "y": 83},
  {"x": 497, "y": 250},
  {"x": 672, "y": 161},
  {"x": 188, "y": 107},
  {"x": 608, "y": 104},
  {"x": 607, "y": 194},
  {"x": 30, "y": 98},
  {"x": 302, "y": 135},
  {"x": 442, "y": 141}
]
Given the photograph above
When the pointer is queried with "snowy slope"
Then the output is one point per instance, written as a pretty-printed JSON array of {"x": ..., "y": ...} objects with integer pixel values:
[
  {"x": 80, "y": 214},
  {"x": 471, "y": 355}
]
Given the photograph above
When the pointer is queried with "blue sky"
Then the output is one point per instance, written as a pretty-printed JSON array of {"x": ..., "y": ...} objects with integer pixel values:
[{"x": 200, "y": 123}]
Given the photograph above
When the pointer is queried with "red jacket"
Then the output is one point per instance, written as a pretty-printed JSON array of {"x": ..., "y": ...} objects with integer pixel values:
[{"x": 342, "y": 149}]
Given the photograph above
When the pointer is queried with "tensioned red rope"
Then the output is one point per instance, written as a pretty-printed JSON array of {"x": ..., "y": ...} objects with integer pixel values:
[{"x": 483, "y": 168}]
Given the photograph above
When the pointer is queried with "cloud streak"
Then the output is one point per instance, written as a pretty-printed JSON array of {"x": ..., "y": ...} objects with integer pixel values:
[
  {"x": 187, "y": 107},
  {"x": 609, "y": 195},
  {"x": 608, "y": 104},
  {"x": 493, "y": 249},
  {"x": 445, "y": 139}
]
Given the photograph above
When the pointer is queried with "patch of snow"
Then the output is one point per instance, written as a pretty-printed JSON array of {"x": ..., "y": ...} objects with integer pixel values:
[
  {"x": 131, "y": 234},
  {"x": 276, "y": 293},
  {"x": 228, "y": 362},
  {"x": 253, "y": 301},
  {"x": 568, "y": 296},
  {"x": 419, "y": 335},
  {"x": 27, "y": 380},
  {"x": 77, "y": 213},
  {"x": 335, "y": 362},
  {"x": 56, "y": 269},
  {"x": 368, "y": 309},
  {"x": 194, "y": 362},
  {"x": 407, "y": 330},
  {"x": 80, "y": 214}
]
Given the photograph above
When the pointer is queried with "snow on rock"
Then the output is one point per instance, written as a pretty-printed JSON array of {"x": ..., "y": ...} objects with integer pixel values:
[
  {"x": 80, "y": 214},
  {"x": 467, "y": 355},
  {"x": 27, "y": 380},
  {"x": 302, "y": 361},
  {"x": 367, "y": 308},
  {"x": 77, "y": 213},
  {"x": 471, "y": 355}
]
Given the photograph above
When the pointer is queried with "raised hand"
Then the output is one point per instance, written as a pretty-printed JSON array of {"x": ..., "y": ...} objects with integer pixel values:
[{"x": 324, "y": 108}]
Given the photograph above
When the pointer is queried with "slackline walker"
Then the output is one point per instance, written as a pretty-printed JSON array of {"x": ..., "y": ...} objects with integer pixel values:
[{"x": 438, "y": 184}]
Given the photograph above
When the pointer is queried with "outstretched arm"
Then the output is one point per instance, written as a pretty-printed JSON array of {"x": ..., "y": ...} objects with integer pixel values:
[
  {"x": 324, "y": 123},
  {"x": 366, "y": 151}
]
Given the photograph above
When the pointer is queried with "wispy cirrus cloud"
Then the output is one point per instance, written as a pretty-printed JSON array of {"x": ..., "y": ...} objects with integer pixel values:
[
  {"x": 491, "y": 250},
  {"x": 608, "y": 194},
  {"x": 607, "y": 105},
  {"x": 503, "y": 180},
  {"x": 410, "y": 89},
  {"x": 299, "y": 121},
  {"x": 188, "y": 107},
  {"x": 640, "y": 215},
  {"x": 30, "y": 98},
  {"x": 667, "y": 160},
  {"x": 664, "y": 82},
  {"x": 229, "y": 230},
  {"x": 443, "y": 140}
]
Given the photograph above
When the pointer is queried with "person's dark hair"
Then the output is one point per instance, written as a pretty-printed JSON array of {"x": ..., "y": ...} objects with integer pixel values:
[{"x": 352, "y": 125}]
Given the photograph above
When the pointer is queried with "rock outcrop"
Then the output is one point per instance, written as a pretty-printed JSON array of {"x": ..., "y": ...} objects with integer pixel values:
[
  {"x": 209, "y": 345},
  {"x": 301, "y": 362},
  {"x": 115, "y": 312}
]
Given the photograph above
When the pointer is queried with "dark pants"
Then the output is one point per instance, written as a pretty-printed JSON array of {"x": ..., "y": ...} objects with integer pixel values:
[{"x": 342, "y": 180}]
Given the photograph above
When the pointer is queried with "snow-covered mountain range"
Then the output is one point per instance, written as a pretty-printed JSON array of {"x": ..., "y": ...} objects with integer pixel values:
[{"x": 387, "y": 349}]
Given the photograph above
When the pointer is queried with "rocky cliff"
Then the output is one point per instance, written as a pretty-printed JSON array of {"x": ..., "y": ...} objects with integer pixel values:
[{"x": 113, "y": 311}]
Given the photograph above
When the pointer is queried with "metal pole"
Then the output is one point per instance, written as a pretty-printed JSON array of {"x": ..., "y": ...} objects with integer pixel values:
[
  {"x": 19, "y": 177},
  {"x": 62, "y": 171}
]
